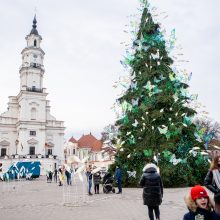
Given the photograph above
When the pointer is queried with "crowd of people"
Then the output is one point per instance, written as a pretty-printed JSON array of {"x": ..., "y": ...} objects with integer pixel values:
[
  {"x": 94, "y": 178},
  {"x": 59, "y": 175},
  {"x": 200, "y": 205}
]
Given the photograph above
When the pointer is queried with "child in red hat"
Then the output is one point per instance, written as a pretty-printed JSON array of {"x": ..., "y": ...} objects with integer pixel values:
[{"x": 199, "y": 205}]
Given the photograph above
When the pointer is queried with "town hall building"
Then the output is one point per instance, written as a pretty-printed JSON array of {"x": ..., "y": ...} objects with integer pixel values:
[{"x": 27, "y": 129}]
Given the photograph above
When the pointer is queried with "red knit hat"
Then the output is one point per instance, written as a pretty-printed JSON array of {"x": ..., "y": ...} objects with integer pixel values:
[{"x": 198, "y": 192}]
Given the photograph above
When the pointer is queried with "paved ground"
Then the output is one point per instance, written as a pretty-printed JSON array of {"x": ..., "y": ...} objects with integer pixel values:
[{"x": 38, "y": 200}]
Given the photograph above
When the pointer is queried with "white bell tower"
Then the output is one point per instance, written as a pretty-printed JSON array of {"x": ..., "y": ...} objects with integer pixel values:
[
  {"x": 32, "y": 69},
  {"x": 27, "y": 129}
]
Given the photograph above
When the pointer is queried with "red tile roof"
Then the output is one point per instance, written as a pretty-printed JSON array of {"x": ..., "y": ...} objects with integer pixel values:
[
  {"x": 97, "y": 145},
  {"x": 91, "y": 142},
  {"x": 86, "y": 140},
  {"x": 73, "y": 140}
]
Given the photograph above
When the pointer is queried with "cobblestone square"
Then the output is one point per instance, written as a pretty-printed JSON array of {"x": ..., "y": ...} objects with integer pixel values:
[{"x": 38, "y": 200}]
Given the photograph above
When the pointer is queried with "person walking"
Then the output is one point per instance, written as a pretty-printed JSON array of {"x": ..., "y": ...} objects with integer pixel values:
[
  {"x": 68, "y": 176},
  {"x": 118, "y": 178},
  {"x": 50, "y": 176},
  {"x": 47, "y": 175},
  {"x": 96, "y": 181},
  {"x": 199, "y": 205},
  {"x": 152, "y": 190},
  {"x": 71, "y": 175},
  {"x": 89, "y": 179},
  {"x": 212, "y": 181},
  {"x": 61, "y": 176},
  {"x": 55, "y": 175}
]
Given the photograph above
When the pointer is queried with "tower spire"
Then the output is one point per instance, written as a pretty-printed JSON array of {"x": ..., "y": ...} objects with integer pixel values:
[{"x": 34, "y": 26}]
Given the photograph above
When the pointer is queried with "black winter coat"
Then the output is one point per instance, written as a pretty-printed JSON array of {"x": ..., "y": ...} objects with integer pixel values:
[
  {"x": 210, "y": 183},
  {"x": 153, "y": 187},
  {"x": 97, "y": 178}
]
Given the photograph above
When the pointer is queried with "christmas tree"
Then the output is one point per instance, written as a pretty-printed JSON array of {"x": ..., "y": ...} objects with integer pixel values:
[{"x": 156, "y": 121}]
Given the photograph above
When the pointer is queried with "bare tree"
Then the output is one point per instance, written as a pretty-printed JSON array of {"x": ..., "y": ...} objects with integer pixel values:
[
  {"x": 209, "y": 130},
  {"x": 108, "y": 136},
  {"x": 210, "y": 126}
]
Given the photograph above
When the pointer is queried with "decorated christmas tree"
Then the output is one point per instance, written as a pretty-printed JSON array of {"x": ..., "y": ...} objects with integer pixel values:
[{"x": 156, "y": 122}]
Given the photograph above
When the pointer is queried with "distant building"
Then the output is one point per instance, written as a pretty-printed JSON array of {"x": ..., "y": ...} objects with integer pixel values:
[
  {"x": 27, "y": 129},
  {"x": 89, "y": 146}
]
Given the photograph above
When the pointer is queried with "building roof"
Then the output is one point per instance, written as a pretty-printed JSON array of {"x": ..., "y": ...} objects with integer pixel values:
[
  {"x": 86, "y": 140},
  {"x": 89, "y": 141},
  {"x": 73, "y": 140},
  {"x": 34, "y": 27},
  {"x": 97, "y": 145}
]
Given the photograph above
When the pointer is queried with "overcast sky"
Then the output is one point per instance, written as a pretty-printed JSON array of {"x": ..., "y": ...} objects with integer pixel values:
[{"x": 81, "y": 39}]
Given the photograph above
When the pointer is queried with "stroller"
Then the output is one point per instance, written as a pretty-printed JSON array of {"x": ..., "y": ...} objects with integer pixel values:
[{"x": 108, "y": 183}]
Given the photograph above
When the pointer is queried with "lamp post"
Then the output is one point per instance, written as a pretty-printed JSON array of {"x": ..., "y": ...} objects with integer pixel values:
[
  {"x": 65, "y": 154},
  {"x": 16, "y": 144}
]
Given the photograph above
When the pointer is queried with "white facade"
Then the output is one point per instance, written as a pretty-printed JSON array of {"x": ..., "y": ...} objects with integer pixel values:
[
  {"x": 88, "y": 147},
  {"x": 27, "y": 129}
]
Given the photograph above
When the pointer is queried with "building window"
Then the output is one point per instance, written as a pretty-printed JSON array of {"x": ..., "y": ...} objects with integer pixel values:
[
  {"x": 74, "y": 151},
  {"x": 84, "y": 154},
  {"x": 32, "y": 133},
  {"x": 3, "y": 152},
  {"x": 35, "y": 43},
  {"x": 50, "y": 151},
  {"x": 32, "y": 150},
  {"x": 33, "y": 112}
]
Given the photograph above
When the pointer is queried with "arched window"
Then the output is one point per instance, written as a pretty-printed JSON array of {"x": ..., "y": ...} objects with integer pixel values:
[
  {"x": 33, "y": 113},
  {"x": 35, "y": 43}
]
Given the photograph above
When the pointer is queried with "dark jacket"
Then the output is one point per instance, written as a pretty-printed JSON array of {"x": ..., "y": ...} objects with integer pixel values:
[
  {"x": 118, "y": 174},
  {"x": 153, "y": 187},
  {"x": 210, "y": 183},
  {"x": 89, "y": 175},
  {"x": 205, "y": 214},
  {"x": 97, "y": 178}
]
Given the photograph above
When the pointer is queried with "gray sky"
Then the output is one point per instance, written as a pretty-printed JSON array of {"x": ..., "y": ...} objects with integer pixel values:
[{"x": 81, "y": 39}]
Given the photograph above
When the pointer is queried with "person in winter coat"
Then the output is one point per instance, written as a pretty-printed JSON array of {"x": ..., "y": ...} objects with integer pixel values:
[
  {"x": 152, "y": 190},
  {"x": 199, "y": 205},
  {"x": 68, "y": 176},
  {"x": 96, "y": 181},
  {"x": 50, "y": 176},
  {"x": 118, "y": 178},
  {"x": 55, "y": 175},
  {"x": 212, "y": 181}
]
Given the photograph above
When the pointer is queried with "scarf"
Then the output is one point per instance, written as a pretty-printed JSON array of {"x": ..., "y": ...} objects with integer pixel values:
[{"x": 216, "y": 176}]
